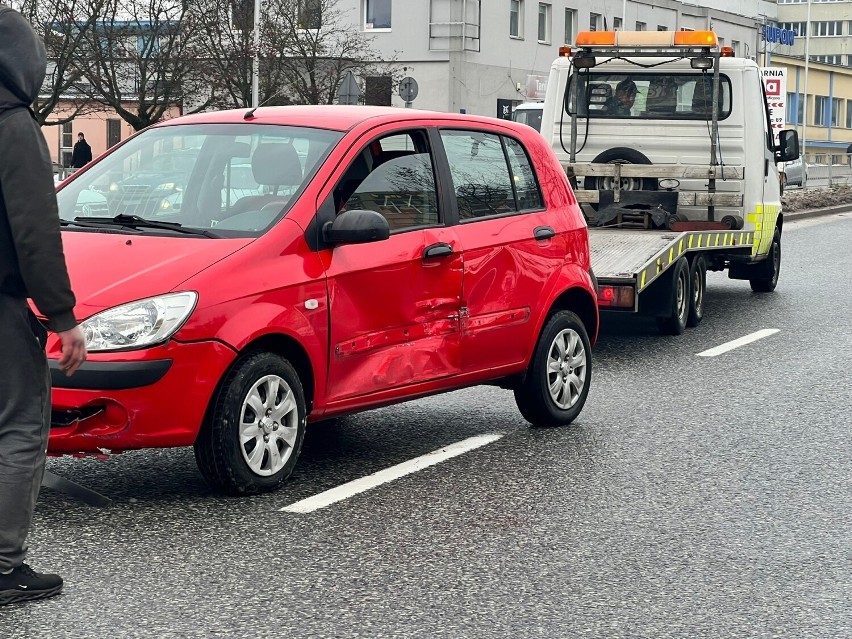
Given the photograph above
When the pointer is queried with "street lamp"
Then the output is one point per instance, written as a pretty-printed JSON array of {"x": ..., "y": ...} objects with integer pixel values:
[
  {"x": 255, "y": 65},
  {"x": 805, "y": 105}
]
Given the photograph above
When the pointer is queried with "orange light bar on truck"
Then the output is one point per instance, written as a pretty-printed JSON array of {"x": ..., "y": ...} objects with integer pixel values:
[{"x": 646, "y": 39}]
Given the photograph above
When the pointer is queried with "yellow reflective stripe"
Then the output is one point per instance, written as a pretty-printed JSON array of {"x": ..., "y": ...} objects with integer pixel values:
[
  {"x": 671, "y": 254},
  {"x": 689, "y": 244},
  {"x": 680, "y": 247},
  {"x": 644, "y": 273}
]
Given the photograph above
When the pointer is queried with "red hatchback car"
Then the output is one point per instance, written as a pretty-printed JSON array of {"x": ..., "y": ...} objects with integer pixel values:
[{"x": 239, "y": 274}]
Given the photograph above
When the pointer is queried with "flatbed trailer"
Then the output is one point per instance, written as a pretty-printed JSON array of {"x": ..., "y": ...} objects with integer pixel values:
[{"x": 662, "y": 273}]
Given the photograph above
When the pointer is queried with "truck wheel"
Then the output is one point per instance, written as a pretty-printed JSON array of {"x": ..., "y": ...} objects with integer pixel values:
[
  {"x": 256, "y": 427},
  {"x": 674, "y": 323},
  {"x": 620, "y": 155},
  {"x": 557, "y": 381},
  {"x": 767, "y": 283},
  {"x": 698, "y": 282}
]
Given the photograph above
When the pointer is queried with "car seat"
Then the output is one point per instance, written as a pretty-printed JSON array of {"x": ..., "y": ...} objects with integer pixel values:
[{"x": 274, "y": 165}]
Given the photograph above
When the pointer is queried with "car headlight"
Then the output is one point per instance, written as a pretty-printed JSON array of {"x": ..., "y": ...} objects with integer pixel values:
[
  {"x": 166, "y": 186},
  {"x": 138, "y": 324}
]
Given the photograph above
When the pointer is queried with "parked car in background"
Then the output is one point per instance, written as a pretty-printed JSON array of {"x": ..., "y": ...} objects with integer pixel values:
[
  {"x": 389, "y": 254},
  {"x": 529, "y": 113},
  {"x": 792, "y": 174}
]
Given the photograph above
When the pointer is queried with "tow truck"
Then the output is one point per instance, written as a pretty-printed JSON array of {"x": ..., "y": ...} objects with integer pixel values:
[{"x": 675, "y": 180}]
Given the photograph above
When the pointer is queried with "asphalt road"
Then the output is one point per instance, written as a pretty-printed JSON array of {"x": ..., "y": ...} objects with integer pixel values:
[{"x": 694, "y": 497}]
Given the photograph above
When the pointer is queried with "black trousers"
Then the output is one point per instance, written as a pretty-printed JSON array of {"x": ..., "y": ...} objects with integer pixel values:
[{"x": 24, "y": 425}]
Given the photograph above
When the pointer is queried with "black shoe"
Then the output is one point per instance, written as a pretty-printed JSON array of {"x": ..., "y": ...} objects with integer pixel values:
[{"x": 24, "y": 584}]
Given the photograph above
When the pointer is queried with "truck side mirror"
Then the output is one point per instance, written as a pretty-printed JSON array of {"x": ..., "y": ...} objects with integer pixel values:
[{"x": 788, "y": 146}]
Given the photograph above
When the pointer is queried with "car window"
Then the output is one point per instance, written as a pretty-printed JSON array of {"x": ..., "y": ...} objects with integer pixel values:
[
  {"x": 526, "y": 186},
  {"x": 483, "y": 182},
  {"x": 661, "y": 95},
  {"x": 393, "y": 176},
  {"x": 236, "y": 178}
]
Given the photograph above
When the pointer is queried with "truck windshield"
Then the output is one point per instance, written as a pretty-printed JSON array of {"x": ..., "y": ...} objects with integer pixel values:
[
  {"x": 238, "y": 178},
  {"x": 655, "y": 96}
]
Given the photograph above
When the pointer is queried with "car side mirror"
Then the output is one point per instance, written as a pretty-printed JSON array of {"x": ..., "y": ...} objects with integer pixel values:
[
  {"x": 356, "y": 227},
  {"x": 788, "y": 146}
]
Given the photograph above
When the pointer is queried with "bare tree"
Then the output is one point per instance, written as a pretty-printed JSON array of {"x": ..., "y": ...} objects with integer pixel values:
[
  {"x": 317, "y": 44},
  {"x": 227, "y": 42},
  {"x": 64, "y": 25},
  {"x": 143, "y": 60},
  {"x": 306, "y": 47}
]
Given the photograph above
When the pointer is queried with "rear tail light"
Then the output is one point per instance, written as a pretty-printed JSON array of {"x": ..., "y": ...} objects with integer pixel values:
[{"x": 616, "y": 296}]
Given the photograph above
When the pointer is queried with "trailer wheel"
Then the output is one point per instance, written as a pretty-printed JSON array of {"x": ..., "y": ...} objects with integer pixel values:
[
  {"x": 698, "y": 282},
  {"x": 557, "y": 382},
  {"x": 767, "y": 282},
  {"x": 620, "y": 155},
  {"x": 674, "y": 323}
]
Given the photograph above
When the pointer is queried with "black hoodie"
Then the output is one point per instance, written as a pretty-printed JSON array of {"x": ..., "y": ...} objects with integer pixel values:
[{"x": 32, "y": 263}]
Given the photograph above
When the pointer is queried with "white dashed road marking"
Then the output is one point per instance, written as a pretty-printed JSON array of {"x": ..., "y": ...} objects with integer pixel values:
[
  {"x": 742, "y": 341},
  {"x": 363, "y": 484}
]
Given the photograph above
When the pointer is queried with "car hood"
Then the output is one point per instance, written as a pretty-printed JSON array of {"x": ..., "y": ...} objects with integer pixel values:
[{"x": 109, "y": 269}]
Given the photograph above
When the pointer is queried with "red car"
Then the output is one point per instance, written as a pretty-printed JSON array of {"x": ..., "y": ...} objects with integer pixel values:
[{"x": 241, "y": 273}]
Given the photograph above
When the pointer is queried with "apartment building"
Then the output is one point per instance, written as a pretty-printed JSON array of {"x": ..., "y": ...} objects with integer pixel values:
[
  {"x": 819, "y": 97},
  {"x": 479, "y": 56}
]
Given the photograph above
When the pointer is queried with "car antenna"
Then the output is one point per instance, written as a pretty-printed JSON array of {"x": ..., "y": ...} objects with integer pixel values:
[{"x": 250, "y": 113}]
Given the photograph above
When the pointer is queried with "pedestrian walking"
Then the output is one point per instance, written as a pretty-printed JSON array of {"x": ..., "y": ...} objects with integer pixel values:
[
  {"x": 82, "y": 153},
  {"x": 32, "y": 265}
]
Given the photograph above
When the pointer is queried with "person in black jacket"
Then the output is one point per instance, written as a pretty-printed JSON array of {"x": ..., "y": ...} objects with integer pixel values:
[
  {"x": 82, "y": 153},
  {"x": 32, "y": 265}
]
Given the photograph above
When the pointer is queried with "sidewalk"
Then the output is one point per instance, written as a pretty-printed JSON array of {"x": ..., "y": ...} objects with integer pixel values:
[{"x": 829, "y": 210}]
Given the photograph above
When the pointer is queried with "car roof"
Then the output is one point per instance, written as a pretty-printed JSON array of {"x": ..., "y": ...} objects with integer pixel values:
[{"x": 333, "y": 117}]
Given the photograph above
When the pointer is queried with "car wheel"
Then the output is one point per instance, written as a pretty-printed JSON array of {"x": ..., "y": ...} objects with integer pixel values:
[
  {"x": 674, "y": 322},
  {"x": 698, "y": 283},
  {"x": 768, "y": 282},
  {"x": 556, "y": 385},
  {"x": 255, "y": 429}
]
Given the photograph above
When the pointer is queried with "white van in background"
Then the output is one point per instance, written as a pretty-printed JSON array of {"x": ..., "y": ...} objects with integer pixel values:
[{"x": 529, "y": 113}]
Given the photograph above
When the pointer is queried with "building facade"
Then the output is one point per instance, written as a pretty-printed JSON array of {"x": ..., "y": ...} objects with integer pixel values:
[{"x": 478, "y": 56}]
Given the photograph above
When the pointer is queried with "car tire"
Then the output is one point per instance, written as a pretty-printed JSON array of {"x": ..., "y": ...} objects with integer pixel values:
[
  {"x": 241, "y": 452},
  {"x": 772, "y": 268},
  {"x": 697, "y": 286},
  {"x": 557, "y": 381},
  {"x": 677, "y": 306}
]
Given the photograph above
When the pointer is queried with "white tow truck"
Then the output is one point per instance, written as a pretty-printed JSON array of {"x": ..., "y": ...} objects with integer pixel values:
[{"x": 667, "y": 142}]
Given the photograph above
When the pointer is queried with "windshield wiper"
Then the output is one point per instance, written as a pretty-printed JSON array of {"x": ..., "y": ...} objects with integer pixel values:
[
  {"x": 79, "y": 222},
  {"x": 136, "y": 222}
]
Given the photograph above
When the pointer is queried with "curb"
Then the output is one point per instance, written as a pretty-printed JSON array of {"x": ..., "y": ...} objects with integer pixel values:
[{"x": 829, "y": 210}]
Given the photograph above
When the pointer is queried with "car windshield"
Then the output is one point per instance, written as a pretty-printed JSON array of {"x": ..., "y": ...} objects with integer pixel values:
[{"x": 235, "y": 178}]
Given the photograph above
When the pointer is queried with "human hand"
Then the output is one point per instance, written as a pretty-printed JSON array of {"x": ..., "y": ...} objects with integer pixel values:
[{"x": 73, "y": 350}]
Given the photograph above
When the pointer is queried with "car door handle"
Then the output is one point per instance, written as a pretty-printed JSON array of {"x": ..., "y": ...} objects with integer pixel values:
[
  {"x": 544, "y": 233},
  {"x": 441, "y": 249}
]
